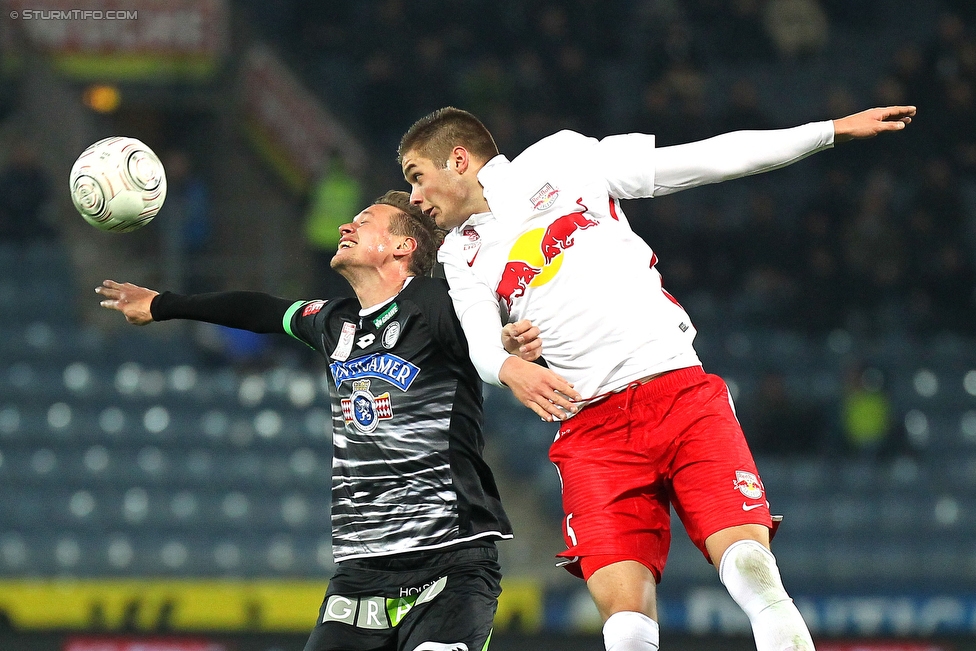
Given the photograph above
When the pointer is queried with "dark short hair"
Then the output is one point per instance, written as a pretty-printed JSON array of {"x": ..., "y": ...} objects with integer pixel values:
[
  {"x": 436, "y": 134},
  {"x": 411, "y": 221}
]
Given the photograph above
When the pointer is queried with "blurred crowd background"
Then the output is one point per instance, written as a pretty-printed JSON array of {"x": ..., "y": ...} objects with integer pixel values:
[
  {"x": 837, "y": 296},
  {"x": 869, "y": 237}
]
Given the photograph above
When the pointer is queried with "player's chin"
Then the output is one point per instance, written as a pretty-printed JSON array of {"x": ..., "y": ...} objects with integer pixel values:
[{"x": 444, "y": 220}]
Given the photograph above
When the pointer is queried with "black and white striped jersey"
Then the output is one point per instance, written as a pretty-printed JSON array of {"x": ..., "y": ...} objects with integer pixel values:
[{"x": 408, "y": 471}]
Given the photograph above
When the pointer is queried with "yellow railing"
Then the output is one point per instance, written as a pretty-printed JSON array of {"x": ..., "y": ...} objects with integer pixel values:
[{"x": 203, "y": 605}]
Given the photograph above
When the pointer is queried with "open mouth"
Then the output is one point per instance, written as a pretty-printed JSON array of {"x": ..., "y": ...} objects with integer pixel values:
[{"x": 346, "y": 244}]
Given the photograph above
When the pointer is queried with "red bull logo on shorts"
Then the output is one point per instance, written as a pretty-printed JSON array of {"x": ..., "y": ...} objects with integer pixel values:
[
  {"x": 748, "y": 484},
  {"x": 536, "y": 256}
]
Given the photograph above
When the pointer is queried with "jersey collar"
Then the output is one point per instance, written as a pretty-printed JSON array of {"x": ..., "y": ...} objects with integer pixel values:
[
  {"x": 492, "y": 171},
  {"x": 489, "y": 175},
  {"x": 366, "y": 311}
]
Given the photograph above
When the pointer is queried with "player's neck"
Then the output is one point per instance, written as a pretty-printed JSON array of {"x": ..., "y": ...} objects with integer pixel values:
[
  {"x": 375, "y": 286},
  {"x": 478, "y": 203}
]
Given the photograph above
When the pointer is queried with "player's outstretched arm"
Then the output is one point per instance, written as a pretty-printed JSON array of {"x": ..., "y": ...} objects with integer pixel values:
[
  {"x": 870, "y": 123},
  {"x": 550, "y": 396},
  {"x": 131, "y": 300},
  {"x": 522, "y": 338}
]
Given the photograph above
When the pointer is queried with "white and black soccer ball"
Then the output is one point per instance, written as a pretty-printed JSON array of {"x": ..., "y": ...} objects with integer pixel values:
[{"x": 118, "y": 184}]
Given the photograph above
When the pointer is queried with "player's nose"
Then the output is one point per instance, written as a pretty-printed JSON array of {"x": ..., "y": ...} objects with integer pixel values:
[{"x": 416, "y": 197}]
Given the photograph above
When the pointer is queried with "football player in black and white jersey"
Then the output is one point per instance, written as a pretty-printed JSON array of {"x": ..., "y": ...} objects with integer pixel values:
[{"x": 415, "y": 509}]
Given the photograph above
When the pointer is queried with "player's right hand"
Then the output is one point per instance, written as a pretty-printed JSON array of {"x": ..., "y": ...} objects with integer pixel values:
[
  {"x": 549, "y": 395},
  {"x": 872, "y": 122},
  {"x": 522, "y": 338},
  {"x": 131, "y": 300}
]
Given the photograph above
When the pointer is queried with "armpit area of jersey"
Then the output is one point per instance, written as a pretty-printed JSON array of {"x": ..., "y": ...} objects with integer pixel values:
[{"x": 252, "y": 311}]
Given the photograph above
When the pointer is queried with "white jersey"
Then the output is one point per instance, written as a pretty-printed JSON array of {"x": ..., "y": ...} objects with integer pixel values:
[{"x": 556, "y": 249}]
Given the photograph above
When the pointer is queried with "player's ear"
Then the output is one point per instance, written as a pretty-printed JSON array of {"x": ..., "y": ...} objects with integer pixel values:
[
  {"x": 459, "y": 160},
  {"x": 406, "y": 246}
]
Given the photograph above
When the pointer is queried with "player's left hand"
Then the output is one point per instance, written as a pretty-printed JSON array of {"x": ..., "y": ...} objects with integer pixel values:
[
  {"x": 546, "y": 393},
  {"x": 870, "y": 123},
  {"x": 131, "y": 300},
  {"x": 522, "y": 338}
]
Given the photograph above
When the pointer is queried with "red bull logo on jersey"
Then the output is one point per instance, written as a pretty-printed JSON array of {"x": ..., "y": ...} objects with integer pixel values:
[
  {"x": 559, "y": 236},
  {"x": 544, "y": 198},
  {"x": 515, "y": 279},
  {"x": 536, "y": 256},
  {"x": 748, "y": 484}
]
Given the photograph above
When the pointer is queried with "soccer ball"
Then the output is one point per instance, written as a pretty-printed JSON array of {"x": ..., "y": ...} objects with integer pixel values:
[{"x": 118, "y": 184}]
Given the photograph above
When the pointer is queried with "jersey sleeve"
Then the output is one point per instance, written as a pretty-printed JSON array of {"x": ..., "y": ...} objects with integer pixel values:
[
  {"x": 627, "y": 164},
  {"x": 254, "y": 311},
  {"x": 477, "y": 310},
  {"x": 439, "y": 312},
  {"x": 483, "y": 330},
  {"x": 737, "y": 154},
  {"x": 305, "y": 321}
]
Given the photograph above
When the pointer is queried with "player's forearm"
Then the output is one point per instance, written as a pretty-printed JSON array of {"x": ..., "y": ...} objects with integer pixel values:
[
  {"x": 737, "y": 154},
  {"x": 252, "y": 311},
  {"x": 483, "y": 330},
  {"x": 477, "y": 310}
]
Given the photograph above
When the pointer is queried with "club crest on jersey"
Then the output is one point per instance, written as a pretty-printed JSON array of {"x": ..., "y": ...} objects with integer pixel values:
[
  {"x": 472, "y": 243},
  {"x": 383, "y": 366},
  {"x": 544, "y": 197},
  {"x": 748, "y": 484},
  {"x": 391, "y": 335},
  {"x": 365, "y": 410}
]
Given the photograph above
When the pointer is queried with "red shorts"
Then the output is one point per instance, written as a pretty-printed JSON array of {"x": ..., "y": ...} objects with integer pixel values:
[{"x": 625, "y": 461}]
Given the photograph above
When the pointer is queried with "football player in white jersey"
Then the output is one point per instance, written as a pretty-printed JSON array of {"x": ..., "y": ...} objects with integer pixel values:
[{"x": 541, "y": 241}]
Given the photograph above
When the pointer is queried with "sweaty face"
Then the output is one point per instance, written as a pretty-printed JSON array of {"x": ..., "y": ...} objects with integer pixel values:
[
  {"x": 366, "y": 241},
  {"x": 439, "y": 190}
]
